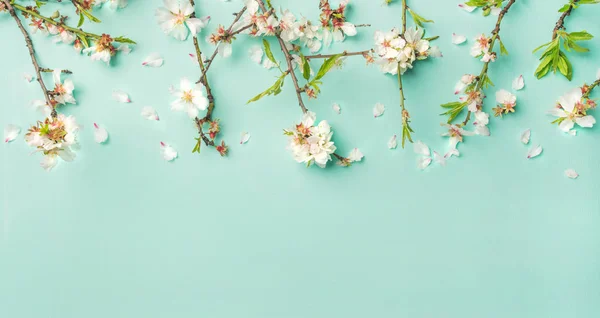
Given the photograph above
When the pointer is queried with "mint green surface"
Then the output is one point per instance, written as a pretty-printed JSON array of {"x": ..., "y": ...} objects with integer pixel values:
[{"x": 122, "y": 233}]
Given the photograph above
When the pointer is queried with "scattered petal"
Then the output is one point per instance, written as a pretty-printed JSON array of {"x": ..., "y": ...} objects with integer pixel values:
[
  {"x": 378, "y": 110},
  {"x": 256, "y": 54},
  {"x": 121, "y": 96},
  {"x": 525, "y": 136},
  {"x": 458, "y": 39},
  {"x": 496, "y": 11},
  {"x": 423, "y": 162},
  {"x": 336, "y": 108},
  {"x": 466, "y": 7},
  {"x": 452, "y": 152},
  {"x": 153, "y": 60},
  {"x": 11, "y": 132},
  {"x": 439, "y": 158},
  {"x": 126, "y": 49},
  {"x": 534, "y": 152},
  {"x": 573, "y": 132},
  {"x": 518, "y": 83},
  {"x": 100, "y": 134},
  {"x": 355, "y": 155},
  {"x": 149, "y": 113},
  {"x": 245, "y": 138},
  {"x": 168, "y": 153},
  {"x": 570, "y": 173},
  {"x": 28, "y": 77},
  {"x": 421, "y": 148},
  {"x": 393, "y": 142}
]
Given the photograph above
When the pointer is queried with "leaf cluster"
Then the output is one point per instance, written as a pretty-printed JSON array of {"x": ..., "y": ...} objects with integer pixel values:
[{"x": 554, "y": 58}]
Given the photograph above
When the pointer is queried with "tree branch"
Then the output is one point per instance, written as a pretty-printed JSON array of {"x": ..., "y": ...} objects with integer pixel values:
[
  {"x": 345, "y": 53},
  {"x": 34, "y": 61},
  {"x": 560, "y": 24}
]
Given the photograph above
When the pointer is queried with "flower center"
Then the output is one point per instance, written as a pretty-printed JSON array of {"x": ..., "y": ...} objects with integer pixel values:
[{"x": 187, "y": 96}]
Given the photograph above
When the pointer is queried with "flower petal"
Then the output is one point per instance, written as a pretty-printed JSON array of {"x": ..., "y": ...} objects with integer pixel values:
[
  {"x": 525, "y": 136},
  {"x": 168, "y": 153},
  {"x": 421, "y": 148},
  {"x": 534, "y": 152},
  {"x": 518, "y": 83},
  {"x": 153, "y": 60},
  {"x": 121, "y": 96},
  {"x": 393, "y": 142},
  {"x": 149, "y": 113},
  {"x": 355, "y": 155},
  {"x": 245, "y": 137},
  {"x": 256, "y": 54},
  {"x": 570, "y": 173},
  {"x": 100, "y": 134},
  {"x": 423, "y": 162},
  {"x": 586, "y": 121},
  {"x": 458, "y": 39},
  {"x": 11, "y": 132},
  {"x": 378, "y": 110}
]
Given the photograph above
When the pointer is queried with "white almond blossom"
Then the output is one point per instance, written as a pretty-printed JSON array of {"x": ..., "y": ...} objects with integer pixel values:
[
  {"x": 311, "y": 144},
  {"x": 63, "y": 90},
  {"x": 395, "y": 51},
  {"x": 572, "y": 109},
  {"x": 54, "y": 137},
  {"x": 482, "y": 119},
  {"x": 481, "y": 46},
  {"x": 456, "y": 134},
  {"x": 190, "y": 98},
  {"x": 175, "y": 19}
]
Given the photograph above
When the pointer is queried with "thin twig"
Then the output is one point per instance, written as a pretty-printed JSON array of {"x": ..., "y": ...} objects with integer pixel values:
[
  {"x": 49, "y": 70},
  {"x": 288, "y": 60},
  {"x": 560, "y": 24},
  {"x": 345, "y": 53},
  {"x": 32, "y": 55}
]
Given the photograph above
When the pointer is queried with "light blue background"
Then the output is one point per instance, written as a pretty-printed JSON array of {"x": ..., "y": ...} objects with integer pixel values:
[{"x": 122, "y": 233}]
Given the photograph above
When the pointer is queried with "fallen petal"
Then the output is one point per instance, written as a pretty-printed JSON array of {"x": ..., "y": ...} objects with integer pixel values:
[
  {"x": 525, "y": 136},
  {"x": 121, "y": 96},
  {"x": 570, "y": 173}
]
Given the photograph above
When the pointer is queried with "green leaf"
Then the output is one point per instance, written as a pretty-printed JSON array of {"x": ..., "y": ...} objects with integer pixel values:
[
  {"x": 90, "y": 16},
  {"x": 326, "y": 67},
  {"x": 270, "y": 6},
  {"x": 580, "y": 36},
  {"x": 564, "y": 66},
  {"x": 305, "y": 67},
  {"x": 544, "y": 67},
  {"x": 588, "y": 1},
  {"x": 419, "y": 20},
  {"x": 565, "y": 8},
  {"x": 81, "y": 20},
  {"x": 122, "y": 39},
  {"x": 275, "y": 89},
  {"x": 198, "y": 145},
  {"x": 541, "y": 46},
  {"x": 84, "y": 41},
  {"x": 268, "y": 51},
  {"x": 39, "y": 4},
  {"x": 503, "y": 50}
]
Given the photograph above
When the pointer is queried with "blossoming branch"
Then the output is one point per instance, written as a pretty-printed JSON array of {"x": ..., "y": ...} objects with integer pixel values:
[
  {"x": 309, "y": 144},
  {"x": 398, "y": 51},
  {"x": 99, "y": 46},
  {"x": 473, "y": 88},
  {"x": 555, "y": 59}
]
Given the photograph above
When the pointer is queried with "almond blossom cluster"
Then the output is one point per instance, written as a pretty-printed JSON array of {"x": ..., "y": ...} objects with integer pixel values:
[
  {"x": 54, "y": 137},
  {"x": 309, "y": 143},
  {"x": 333, "y": 26},
  {"x": 573, "y": 108},
  {"x": 177, "y": 19},
  {"x": 398, "y": 51}
]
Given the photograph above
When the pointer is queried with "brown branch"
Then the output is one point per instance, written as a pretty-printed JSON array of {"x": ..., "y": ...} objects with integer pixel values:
[
  {"x": 560, "y": 24},
  {"x": 495, "y": 36},
  {"x": 49, "y": 70},
  {"x": 32, "y": 54},
  {"x": 345, "y": 53},
  {"x": 288, "y": 60}
]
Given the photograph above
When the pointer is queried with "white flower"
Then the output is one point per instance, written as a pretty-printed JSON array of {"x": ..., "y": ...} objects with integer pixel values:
[
  {"x": 175, "y": 16},
  {"x": 389, "y": 44},
  {"x": 465, "y": 81},
  {"x": 190, "y": 98},
  {"x": 414, "y": 40},
  {"x": 64, "y": 90},
  {"x": 489, "y": 57},
  {"x": 100, "y": 134},
  {"x": 506, "y": 99},
  {"x": 456, "y": 134},
  {"x": 572, "y": 107},
  {"x": 54, "y": 137},
  {"x": 168, "y": 153},
  {"x": 11, "y": 132},
  {"x": 481, "y": 121},
  {"x": 481, "y": 46},
  {"x": 101, "y": 50},
  {"x": 287, "y": 25},
  {"x": 311, "y": 144},
  {"x": 355, "y": 155}
]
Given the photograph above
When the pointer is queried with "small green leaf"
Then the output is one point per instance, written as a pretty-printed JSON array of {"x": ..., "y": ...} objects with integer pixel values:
[
  {"x": 275, "y": 89},
  {"x": 503, "y": 50},
  {"x": 122, "y": 39},
  {"x": 198, "y": 145},
  {"x": 81, "y": 20},
  {"x": 544, "y": 67},
  {"x": 305, "y": 67},
  {"x": 580, "y": 36},
  {"x": 268, "y": 51},
  {"x": 326, "y": 67},
  {"x": 419, "y": 20},
  {"x": 565, "y": 8},
  {"x": 90, "y": 16}
]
